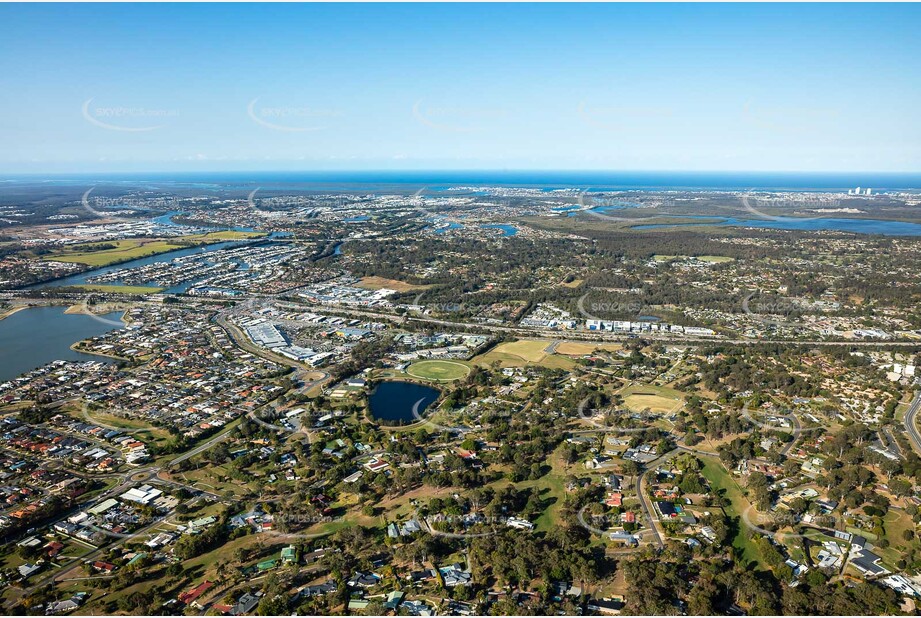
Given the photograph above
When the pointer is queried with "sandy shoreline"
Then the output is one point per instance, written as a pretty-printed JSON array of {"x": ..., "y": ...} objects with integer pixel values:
[{"x": 13, "y": 310}]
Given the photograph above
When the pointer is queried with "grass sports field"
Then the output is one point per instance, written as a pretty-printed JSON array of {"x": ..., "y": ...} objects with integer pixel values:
[
  {"x": 639, "y": 397},
  {"x": 438, "y": 370}
]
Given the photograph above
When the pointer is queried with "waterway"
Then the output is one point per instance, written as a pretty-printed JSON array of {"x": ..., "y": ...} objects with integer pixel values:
[
  {"x": 36, "y": 336},
  {"x": 81, "y": 279}
]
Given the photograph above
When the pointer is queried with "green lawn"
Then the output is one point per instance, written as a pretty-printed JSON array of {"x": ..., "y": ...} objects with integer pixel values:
[
  {"x": 895, "y": 522},
  {"x": 661, "y": 399},
  {"x": 133, "y": 248},
  {"x": 124, "y": 250},
  {"x": 438, "y": 370},
  {"x": 137, "y": 427},
  {"x": 721, "y": 482}
]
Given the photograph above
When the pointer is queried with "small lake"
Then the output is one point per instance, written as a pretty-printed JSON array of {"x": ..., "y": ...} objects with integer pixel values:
[
  {"x": 394, "y": 401},
  {"x": 33, "y": 337},
  {"x": 856, "y": 226}
]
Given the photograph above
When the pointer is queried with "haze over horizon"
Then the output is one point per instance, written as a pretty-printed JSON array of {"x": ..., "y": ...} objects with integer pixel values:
[{"x": 734, "y": 88}]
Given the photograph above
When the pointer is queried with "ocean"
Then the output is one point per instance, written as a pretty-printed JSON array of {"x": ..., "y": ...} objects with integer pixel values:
[{"x": 549, "y": 180}]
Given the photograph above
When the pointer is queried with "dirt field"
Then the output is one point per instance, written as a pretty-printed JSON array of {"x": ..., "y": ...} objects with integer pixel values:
[
  {"x": 524, "y": 352},
  {"x": 570, "y": 348},
  {"x": 376, "y": 283}
]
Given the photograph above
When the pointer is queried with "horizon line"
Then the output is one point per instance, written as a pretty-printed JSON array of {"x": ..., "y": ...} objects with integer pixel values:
[{"x": 459, "y": 170}]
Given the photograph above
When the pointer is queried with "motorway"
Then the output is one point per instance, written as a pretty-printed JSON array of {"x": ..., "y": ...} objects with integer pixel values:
[{"x": 577, "y": 336}]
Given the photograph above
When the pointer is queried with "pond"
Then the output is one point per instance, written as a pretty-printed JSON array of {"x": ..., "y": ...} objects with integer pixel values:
[
  {"x": 507, "y": 230},
  {"x": 394, "y": 401}
]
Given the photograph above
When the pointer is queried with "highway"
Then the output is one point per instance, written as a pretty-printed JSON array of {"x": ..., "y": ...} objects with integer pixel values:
[{"x": 577, "y": 336}]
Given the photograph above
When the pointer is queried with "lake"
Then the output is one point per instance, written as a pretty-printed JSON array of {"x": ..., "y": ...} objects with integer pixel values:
[
  {"x": 507, "y": 230},
  {"x": 393, "y": 401},
  {"x": 33, "y": 337}
]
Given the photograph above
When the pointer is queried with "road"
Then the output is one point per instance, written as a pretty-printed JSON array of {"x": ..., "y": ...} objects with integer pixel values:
[
  {"x": 797, "y": 432},
  {"x": 201, "y": 448},
  {"x": 911, "y": 426},
  {"x": 645, "y": 502}
]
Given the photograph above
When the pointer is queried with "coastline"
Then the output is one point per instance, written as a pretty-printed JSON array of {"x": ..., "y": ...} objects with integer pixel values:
[{"x": 83, "y": 310}]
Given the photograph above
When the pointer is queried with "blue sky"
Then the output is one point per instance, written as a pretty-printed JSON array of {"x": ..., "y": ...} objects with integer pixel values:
[{"x": 481, "y": 86}]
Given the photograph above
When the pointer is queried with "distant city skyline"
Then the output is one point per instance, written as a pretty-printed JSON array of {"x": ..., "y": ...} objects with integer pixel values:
[{"x": 219, "y": 88}]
